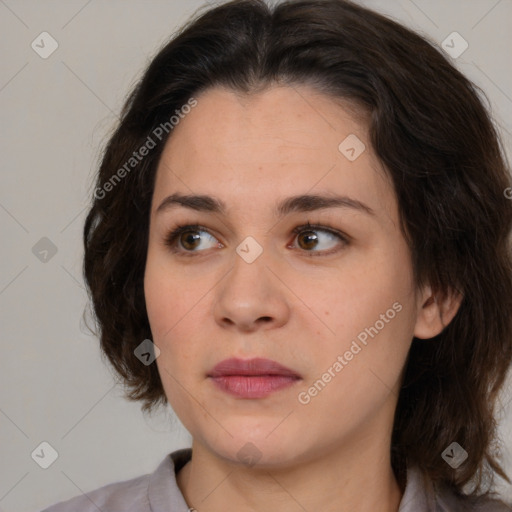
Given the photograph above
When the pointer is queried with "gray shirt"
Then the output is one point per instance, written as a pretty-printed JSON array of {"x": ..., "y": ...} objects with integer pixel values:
[{"x": 159, "y": 492}]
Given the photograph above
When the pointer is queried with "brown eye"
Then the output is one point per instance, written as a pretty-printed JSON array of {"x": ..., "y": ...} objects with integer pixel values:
[
  {"x": 310, "y": 240},
  {"x": 187, "y": 239}
]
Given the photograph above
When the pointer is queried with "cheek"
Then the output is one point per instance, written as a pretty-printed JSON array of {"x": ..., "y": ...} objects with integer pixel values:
[
  {"x": 170, "y": 314},
  {"x": 370, "y": 306},
  {"x": 169, "y": 297},
  {"x": 365, "y": 291},
  {"x": 174, "y": 308},
  {"x": 372, "y": 316}
]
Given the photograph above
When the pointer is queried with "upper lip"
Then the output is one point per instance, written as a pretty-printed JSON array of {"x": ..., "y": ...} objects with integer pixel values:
[{"x": 255, "y": 366}]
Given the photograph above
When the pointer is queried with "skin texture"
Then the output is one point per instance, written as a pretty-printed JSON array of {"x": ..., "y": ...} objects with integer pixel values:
[{"x": 302, "y": 303}]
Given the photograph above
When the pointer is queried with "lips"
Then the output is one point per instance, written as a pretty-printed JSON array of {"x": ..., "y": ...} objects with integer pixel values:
[
  {"x": 251, "y": 367},
  {"x": 252, "y": 378}
]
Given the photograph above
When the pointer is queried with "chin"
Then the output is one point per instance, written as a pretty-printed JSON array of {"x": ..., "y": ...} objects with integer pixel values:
[
  {"x": 252, "y": 447},
  {"x": 254, "y": 455}
]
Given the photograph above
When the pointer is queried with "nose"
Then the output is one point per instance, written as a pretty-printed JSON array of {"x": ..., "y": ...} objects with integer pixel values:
[{"x": 252, "y": 297}]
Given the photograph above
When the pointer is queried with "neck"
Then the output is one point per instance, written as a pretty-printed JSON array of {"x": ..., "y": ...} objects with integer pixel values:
[{"x": 359, "y": 477}]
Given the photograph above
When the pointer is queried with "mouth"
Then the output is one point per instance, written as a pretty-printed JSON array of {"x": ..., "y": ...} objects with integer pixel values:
[{"x": 252, "y": 378}]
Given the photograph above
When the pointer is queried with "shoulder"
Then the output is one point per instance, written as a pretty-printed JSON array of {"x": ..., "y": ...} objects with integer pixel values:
[
  {"x": 449, "y": 501},
  {"x": 126, "y": 496},
  {"x": 147, "y": 493},
  {"x": 423, "y": 495}
]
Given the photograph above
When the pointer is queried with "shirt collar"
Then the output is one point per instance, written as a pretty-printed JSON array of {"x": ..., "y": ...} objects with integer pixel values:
[
  {"x": 419, "y": 494},
  {"x": 164, "y": 493}
]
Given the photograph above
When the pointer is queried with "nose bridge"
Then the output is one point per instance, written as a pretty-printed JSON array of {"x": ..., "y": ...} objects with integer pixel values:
[
  {"x": 250, "y": 291},
  {"x": 249, "y": 276}
]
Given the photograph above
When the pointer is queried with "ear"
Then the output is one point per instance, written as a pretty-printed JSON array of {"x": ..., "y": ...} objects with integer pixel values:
[{"x": 435, "y": 312}]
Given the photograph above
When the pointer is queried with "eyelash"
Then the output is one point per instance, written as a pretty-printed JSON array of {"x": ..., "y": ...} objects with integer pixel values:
[{"x": 171, "y": 238}]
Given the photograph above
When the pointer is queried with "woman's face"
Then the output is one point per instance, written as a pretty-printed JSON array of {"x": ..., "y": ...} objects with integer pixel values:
[{"x": 339, "y": 311}]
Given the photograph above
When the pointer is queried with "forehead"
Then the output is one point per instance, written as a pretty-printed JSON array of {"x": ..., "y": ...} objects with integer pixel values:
[{"x": 279, "y": 142}]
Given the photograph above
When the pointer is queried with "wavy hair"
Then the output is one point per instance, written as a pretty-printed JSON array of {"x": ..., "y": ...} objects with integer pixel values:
[{"x": 432, "y": 131}]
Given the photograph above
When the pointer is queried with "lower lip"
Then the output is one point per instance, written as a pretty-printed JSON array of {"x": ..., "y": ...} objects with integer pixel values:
[{"x": 257, "y": 386}]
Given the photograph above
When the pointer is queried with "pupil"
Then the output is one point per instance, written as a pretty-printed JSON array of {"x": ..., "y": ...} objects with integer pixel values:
[
  {"x": 189, "y": 238},
  {"x": 312, "y": 238}
]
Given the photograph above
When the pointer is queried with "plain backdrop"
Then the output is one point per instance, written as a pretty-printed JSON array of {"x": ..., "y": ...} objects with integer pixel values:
[{"x": 56, "y": 113}]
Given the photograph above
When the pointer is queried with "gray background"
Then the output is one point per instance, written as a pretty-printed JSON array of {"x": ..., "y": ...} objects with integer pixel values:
[{"x": 56, "y": 113}]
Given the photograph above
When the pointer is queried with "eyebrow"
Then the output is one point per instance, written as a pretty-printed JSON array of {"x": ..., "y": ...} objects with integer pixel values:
[{"x": 299, "y": 203}]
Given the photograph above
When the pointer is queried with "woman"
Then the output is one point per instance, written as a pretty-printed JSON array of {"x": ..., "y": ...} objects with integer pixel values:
[{"x": 299, "y": 240}]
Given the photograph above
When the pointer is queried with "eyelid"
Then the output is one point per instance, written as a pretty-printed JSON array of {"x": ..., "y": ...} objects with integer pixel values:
[{"x": 172, "y": 237}]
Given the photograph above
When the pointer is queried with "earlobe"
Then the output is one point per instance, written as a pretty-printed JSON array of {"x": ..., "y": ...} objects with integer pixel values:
[{"x": 435, "y": 312}]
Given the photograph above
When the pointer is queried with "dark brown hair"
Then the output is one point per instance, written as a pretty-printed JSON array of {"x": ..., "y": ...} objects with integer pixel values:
[{"x": 433, "y": 134}]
